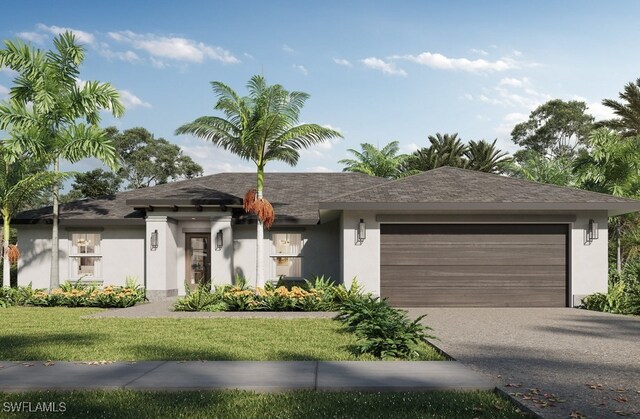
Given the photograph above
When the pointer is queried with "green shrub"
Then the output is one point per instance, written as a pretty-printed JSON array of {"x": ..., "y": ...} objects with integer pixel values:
[
  {"x": 201, "y": 299},
  {"x": 383, "y": 331},
  {"x": 623, "y": 295}
]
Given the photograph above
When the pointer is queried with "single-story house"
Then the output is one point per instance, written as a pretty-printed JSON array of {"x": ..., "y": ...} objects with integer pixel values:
[{"x": 446, "y": 237}]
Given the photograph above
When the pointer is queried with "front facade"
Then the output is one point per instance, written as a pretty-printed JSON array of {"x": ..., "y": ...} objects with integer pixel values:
[{"x": 447, "y": 237}]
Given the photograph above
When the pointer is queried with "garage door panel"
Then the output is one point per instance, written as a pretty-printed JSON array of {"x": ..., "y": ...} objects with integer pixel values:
[
  {"x": 475, "y": 297},
  {"x": 472, "y": 255},
  {"x": 479, "y": 265},
  {"x": 473, "y": 276},
  {"x": 452, "y": 239}
]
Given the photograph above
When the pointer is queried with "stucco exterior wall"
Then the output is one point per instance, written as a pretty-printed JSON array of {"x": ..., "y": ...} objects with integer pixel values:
[
  {"x": 588, "y": 267},
  {"x": 122, "y": 250},
  {"x": 320, "y": 254}
]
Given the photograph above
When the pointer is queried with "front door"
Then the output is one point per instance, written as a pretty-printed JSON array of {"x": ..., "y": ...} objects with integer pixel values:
[{"x": 197, "y": 259}]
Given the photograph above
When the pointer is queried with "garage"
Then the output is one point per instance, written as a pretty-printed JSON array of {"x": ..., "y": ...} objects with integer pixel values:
[{"x": 474, "y": 265}]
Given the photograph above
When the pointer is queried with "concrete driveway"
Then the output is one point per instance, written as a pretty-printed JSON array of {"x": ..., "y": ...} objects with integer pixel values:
[{"x": 590, "y": 360}]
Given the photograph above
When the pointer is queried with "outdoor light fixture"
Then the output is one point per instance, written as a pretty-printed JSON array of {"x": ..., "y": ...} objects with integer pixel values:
[
  {"x": 362, "y": 231},
  {"x": 219, "y": 240},
  {"x": 592, "y": 231},
  {"x": 154, "y": 240}
]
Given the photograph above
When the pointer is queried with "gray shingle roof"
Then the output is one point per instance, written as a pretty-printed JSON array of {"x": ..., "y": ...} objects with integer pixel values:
[
  {"x": 293, "y": 195},
  {"x": 448, "y": 185}
]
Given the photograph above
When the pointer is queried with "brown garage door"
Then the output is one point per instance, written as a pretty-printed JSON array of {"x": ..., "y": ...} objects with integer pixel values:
[{"x": 477, "y": 265}]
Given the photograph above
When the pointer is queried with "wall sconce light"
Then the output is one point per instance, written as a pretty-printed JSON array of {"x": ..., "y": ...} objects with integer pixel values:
[
  {"x": 592, "y": 231},
  {"x": 219, "y": 240},
  {"x": 362, "y": 231},
  {"x": 154, "y": 240}
]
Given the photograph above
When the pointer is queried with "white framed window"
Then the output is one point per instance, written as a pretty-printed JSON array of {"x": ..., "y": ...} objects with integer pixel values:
[
  {"x": 287, "y": 254},
  {"x": 85, "y": 255}
]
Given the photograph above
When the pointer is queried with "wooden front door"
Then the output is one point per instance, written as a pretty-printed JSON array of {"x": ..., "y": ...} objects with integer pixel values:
[{"x": 197, "y": 259}]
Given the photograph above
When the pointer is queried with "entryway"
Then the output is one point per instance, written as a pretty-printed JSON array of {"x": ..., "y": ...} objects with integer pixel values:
[{"x": 197, "y": 259}]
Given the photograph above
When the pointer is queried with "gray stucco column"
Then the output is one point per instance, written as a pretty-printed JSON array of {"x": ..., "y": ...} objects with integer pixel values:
[
  {"x": 221, "y": 256},
  {"x": 161, "y": 260}
]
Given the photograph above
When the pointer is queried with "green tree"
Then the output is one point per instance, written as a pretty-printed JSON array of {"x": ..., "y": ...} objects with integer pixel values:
[
  {"x": 260, "y": 127},
  {"x": 544, "y": 169},
  {"x": 443, "y": 150},
  {"x": 95, "y": 183},
  {"x": 22, "y": 182},
  {"x": 384, "y": 162},
  {"x": 147, "y": 161},
  {"x": 611, "y": 166},
  {"x": 627, "y": 122},
  {"x": 555, "y": 128},
  {"x": 484, "y": 156},
  {"x": 53, "y": 115}
]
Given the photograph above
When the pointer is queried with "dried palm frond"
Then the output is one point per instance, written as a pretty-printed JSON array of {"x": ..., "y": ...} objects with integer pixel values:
[
  {"x": 13, "y": 254},
  {"x": 249, "y": 200},
  {"x": 264, "y": 210}
]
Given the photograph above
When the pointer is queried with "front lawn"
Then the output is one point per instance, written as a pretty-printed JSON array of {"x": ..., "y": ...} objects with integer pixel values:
[
  {"x": 243, "y": 404},
  {"x": 58, "y": 333}
]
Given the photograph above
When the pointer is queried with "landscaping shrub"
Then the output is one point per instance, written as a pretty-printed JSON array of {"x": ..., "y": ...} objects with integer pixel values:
[
  {"x": 623, "y": 295},
  {"x": 320, "y": 294},
  {"x": 382, "y": 330},
  {"x": 74, "y": 294}
]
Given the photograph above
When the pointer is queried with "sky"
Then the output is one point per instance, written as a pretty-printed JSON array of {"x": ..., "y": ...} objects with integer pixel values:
[{"x": 376, "y": 71}]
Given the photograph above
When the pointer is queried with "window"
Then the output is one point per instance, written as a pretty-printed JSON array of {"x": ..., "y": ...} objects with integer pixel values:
[
  {"x": 287, "y": 255},
  {"x": 85, "y": 256}
]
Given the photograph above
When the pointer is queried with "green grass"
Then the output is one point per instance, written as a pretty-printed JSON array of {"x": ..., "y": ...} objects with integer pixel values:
[
  {"x": 243, "y": 404},
  {"x": 57, "y": 333}
]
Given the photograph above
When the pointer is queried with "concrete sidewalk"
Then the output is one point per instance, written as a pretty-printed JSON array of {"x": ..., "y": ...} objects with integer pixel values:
[{"x": 268, "y": 376}]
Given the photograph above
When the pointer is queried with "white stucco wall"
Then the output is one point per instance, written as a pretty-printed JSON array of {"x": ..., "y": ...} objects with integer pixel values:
[
  {"x": 320, "y": 254},
  {"x": 361, "y": 260},
  {"x": 122, "y": 250},
  {"x": 589, "y": 261}
]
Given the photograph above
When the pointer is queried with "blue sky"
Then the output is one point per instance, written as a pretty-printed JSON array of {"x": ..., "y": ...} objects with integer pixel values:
[{"x": 376, "y": 71}]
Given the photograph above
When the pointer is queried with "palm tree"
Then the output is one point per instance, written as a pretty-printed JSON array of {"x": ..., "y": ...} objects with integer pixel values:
[
  {"x": 541, "y": 168},
  {"x": 628, "y": 111},
  {"x": 485, "y": 157},
  {"x": 22, "y": 182},
  {"x": 54, "y": 116},
  {"x": 611, "y": 166},
  {"x": 444, "y": 150},
  {"x": 373, "y": 161},
  {"x": 260, "y": 127}
]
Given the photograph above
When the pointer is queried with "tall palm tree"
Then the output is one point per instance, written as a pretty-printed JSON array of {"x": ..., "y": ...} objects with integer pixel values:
[
  {"x": 611, "y": 166},
  {"x": 628, "y": 111},
  {"x": 484, "y": 156},
  {"x": 22, "y": 182},
  {"x": 260, "y": 127},
  {"x": 384, "y": 162},
  {"x": 53, "y": 115},
  {"x": 443, "y": 150}
]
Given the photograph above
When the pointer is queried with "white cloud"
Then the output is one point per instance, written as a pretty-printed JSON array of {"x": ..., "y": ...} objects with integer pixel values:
[
  {"x": 131, "y": 101},
  {"x": 82, "y": 36},
  {"x": 249, "y": 56},
  {"x": 510, "y": 81},
  {"x": 389, "y": 68},
  {"x": 599, "y": 111},
  {"x": 479, "y": 52},
  {"x": 517, "y": 53},
  {"x": 409, "y": 148},
  {"x": 8, "y": 72},
  {"x": 515, "y": 117},
  {"x": 439, "y": 61},
  {"x": 173, "y": 48},
  {"x": 319, "y": 169},
  {"x": 301, "y": 68},
  {"x": 288, "y": 49},
  {"x": 342, "y": 62},
  {"x": 128, "y": 56},
  {"x": 4, "y": 92},
  {"x": 213, "y": 159},
  {"x": 35, "y": 37}
]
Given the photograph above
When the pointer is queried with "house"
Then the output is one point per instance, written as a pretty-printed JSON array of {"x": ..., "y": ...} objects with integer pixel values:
[{"x": 446, "y": 237}]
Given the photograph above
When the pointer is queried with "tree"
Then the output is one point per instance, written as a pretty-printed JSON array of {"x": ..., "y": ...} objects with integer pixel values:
[
  {"x": 53, "y": 115},
  {"x": 260, "y": 127},
  {"x": 554, "y": 128},
  {"x": 610, "y": 166},
  {"x": 628, "y": 111},
  {"x": 95, "y": 183},
  {"x": 540, "y": 168},
  {"x": 373, "y": 161},
  {"x": 146, "y": 161},
  {"x": 22, "y": 181},
  {"x": 484, "y": 156}
]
